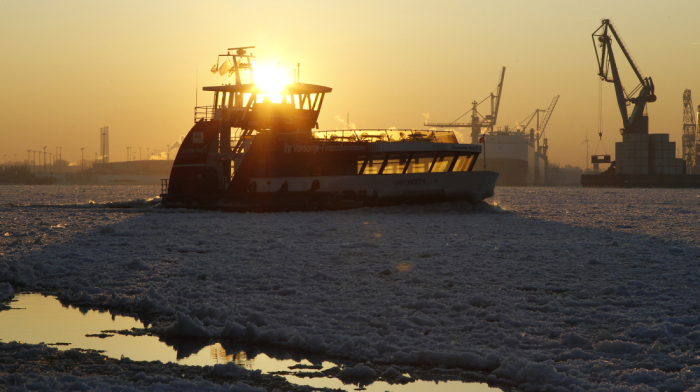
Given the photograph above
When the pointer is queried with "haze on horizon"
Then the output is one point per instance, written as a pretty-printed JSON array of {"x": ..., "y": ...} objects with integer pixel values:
[{"x": 72, "y": 67}]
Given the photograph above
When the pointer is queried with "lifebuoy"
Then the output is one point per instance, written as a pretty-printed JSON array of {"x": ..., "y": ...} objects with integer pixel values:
[{"x": 252, "y": 187}]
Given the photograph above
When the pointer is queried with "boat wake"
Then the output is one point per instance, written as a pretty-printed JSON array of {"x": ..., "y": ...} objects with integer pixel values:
[
  {"x": 154, "y": 204},
  {"x": 460, "y": 207},
  {"x": 141, "y": 204}
]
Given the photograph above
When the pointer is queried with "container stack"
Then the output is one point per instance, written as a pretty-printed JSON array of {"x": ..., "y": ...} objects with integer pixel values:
[{"x": 647, "y": 154}]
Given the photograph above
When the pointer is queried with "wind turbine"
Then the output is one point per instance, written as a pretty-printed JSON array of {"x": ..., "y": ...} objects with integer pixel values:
[{"x": 586, "y": 142}]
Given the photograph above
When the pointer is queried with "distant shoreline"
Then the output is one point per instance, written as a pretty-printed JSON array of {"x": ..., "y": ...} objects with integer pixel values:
[
  {"x": 18, "y": 175},
  {"x": 22, "y": 176}
]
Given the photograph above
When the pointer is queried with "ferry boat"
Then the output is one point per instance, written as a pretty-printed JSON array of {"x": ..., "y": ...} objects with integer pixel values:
[{"x": 254, "y": 149}]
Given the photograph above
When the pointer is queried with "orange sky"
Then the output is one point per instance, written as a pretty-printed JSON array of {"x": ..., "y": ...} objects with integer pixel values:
[{"x": 71, "y": 67}]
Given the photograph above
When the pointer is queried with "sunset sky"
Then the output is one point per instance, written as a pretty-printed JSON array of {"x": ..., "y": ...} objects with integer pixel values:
[{"x": 70, "y": 67}]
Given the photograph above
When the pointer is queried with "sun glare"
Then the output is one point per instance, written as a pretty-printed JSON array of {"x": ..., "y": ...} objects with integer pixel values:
[{"x": 270, "y": 79}]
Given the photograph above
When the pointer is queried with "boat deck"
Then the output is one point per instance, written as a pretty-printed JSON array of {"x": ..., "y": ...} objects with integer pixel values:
[{"x": 386, "y": 135}]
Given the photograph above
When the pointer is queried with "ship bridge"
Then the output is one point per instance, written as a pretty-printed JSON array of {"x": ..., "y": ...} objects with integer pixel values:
[
  {"x": 295, "y": 108},
  {"x": 245, "y": 108}
]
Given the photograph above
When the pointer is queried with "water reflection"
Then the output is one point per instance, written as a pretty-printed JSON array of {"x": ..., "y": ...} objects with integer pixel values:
[
  {"x": 218, "y": 355},
  {"x": 35, "y": 319}
]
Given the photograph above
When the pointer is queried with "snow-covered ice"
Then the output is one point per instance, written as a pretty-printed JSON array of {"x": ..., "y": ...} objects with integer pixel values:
[{"x": 551, "y": 289}]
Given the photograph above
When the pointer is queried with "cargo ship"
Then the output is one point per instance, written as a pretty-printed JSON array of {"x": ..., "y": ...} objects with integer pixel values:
[
  {"x": 255, "y": 149},
  {"x": 516, "y": 157}
]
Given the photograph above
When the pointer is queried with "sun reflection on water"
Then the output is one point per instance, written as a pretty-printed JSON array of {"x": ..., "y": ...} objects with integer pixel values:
[{"x": 71, "y": 327}]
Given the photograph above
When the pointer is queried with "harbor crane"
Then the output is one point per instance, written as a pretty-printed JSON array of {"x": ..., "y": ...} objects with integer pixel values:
[
  {"x": 478, "y": 120},
  {"x": 690, "y": 142},
  {"x": 545, "y": 120},
  {"x": 637, "y": 122},
  {"x": 541, "y": 126},
  {"x": 641, "y": 159}
]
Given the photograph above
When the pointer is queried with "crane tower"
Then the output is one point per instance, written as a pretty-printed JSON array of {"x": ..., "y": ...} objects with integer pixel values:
[{"x": 689, "y": 133}]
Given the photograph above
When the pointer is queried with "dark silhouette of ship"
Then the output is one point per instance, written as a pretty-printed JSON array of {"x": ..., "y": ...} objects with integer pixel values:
[{"x": 260, "y": 150}]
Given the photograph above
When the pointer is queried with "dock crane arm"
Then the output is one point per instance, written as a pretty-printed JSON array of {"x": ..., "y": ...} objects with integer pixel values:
[
  {"x": 636, "y": 122},
  {"x": 499, "y": 89},
  {"x": 547, "y": 115},
  {"x": 527, "y": 120}
]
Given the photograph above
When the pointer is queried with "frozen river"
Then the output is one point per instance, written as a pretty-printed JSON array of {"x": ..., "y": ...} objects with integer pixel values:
[{"x": 569, "y": 288}]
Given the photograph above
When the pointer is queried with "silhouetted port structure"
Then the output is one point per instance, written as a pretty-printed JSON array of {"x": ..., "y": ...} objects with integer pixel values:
[
  {"x": 478, "y": 120},
  {"x": 691, "y": 145},
  {"x": 641, "y": 159},
  {"x": 519, "y": 156},
  {"x": 104, "y": 144}
]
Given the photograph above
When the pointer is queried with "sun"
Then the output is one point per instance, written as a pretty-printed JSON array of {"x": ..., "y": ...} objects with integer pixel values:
[{"x": 271, "y": 80}]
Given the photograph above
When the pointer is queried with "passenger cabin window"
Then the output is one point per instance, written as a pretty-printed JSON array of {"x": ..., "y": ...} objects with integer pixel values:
[
  {"x": 395, "y": 163},
  {"x": 421, "y": 162},
  {"x": 417, "y": 162},
  {"x": 443, "y": 162},
  {"x": 463, "y": 163},
  {"x": 374, "y": 163}
]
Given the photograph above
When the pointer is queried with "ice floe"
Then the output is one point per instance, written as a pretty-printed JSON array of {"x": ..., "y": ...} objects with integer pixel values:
[{"x": 554, "y": 289}]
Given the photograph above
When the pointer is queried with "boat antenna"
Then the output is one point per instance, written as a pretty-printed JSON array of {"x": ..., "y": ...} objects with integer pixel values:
[
  {"x": 196, "y": 85},
  {"x": 298, "y": 72}
]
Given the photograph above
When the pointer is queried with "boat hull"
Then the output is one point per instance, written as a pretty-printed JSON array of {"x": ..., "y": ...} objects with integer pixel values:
[{"x": 344, "y": 192}]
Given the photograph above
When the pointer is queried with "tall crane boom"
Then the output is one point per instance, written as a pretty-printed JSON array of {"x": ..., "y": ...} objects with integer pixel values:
[
  {"x": 547, "y": 115},
  {"x": 637, "y": 122},
  {"x": 689, "y": 131},
  {"x": 498, "y": 99}
]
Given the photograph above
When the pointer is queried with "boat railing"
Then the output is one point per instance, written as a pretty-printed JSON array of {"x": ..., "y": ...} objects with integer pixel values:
[
  {"x": 386, "y": 135},
  {"x": 203, "y": 112}
]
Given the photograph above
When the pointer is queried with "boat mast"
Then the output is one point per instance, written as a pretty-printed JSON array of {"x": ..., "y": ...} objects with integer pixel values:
[{"x": 239, "y": 55}]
